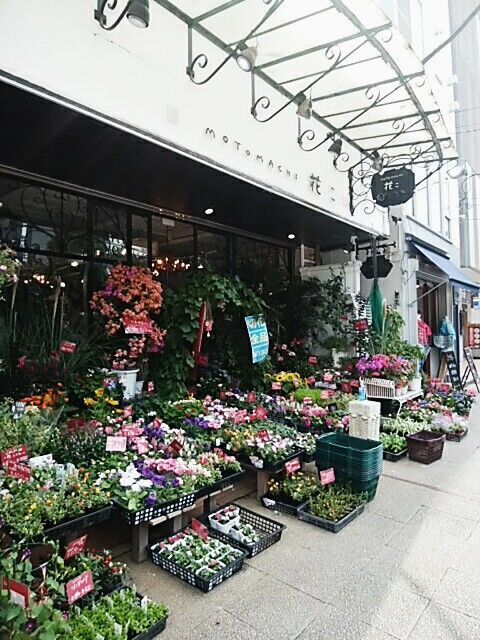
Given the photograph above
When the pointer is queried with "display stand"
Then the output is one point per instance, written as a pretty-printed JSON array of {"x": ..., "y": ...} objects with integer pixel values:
[{"x": 470, "y": 370}]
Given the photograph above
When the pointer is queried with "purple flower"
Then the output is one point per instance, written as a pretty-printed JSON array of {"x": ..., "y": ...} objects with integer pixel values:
[
  {"x": 176, "y": 482},
  {"x": 31, "y": 625},
  {"x": 147, "y": 472},
  {"x": 25, "y": 555},
  {"x": 159, "y": 481},
  {"x": 151, "y": 499}
]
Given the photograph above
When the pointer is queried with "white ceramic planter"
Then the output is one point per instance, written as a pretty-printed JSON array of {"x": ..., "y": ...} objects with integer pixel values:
[
  {"x": 415, "y": 384},
  {"x": 139, "y": 387},
  {"x": 128, "y": 379}
]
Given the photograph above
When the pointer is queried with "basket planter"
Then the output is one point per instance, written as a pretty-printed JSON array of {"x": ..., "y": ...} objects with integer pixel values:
[
  {"x": 425, "y": 447},
  {"x": 334, "y": 527},
  {"x": 270, "y": 531},
  {"x": 394, "y": 457},
  {"x": 287, "y": 507},
  {"x": 187, "y": 575},
  {"x": 157, "y": 510},
  {"x": 271, "y": 467},
  {"x": 77, "y": 524},
  {"x": 456, "y": 437},
  {"x": 220, "y": 485}
]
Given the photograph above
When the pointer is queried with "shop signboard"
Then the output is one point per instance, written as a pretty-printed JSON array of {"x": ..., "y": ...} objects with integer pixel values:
[
  {"x": 393, "y": 187},
  {"x": 258, "y": 334}
]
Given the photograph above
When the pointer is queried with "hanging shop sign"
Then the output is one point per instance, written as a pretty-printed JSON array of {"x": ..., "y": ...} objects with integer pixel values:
[
  {"x": 392, "y": 187},
  {"x": 258, "y": 334}
]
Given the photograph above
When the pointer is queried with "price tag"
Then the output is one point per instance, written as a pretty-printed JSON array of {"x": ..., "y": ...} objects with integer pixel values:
[
  {"x": 116, "y": 443},
  {"x": 131, "y": 430},
  {"x": 260, "y": 413},
  {"x": 240, "y": 416},
  {"x": 38, "y": 462},
  {"x": 75, "y": 547},
  {"x": 14, "y": 454},
  {"x": 19, "y": 592},
  {"x": 311, "y": 380},
  {"x": 292, "y": 465},
  {"x": 312, "y": 360},
  {"x": 19, "y": 471},
  {"x": 79, "y": 586},
  {"x": 251, "y": 396},
  {"x": 176, "y": 446},
  {"x": 307, "y": 400},
  {"x": 327, "y": 476},
  {"x": 276, "y": 386},
  {"x": 68, "y": 347},
  {"x": 264, "y": 435},
  {"x": 138, "y": 326},
  {"x": 328, "y": 377},
  {"x": 200, "y": 528},
  {"x": 218, "y": 442},
  {"x": 150, "y": 386}
]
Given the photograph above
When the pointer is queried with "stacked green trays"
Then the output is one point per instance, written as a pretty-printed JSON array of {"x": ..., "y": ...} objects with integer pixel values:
[{"x": 356, "y": 461}]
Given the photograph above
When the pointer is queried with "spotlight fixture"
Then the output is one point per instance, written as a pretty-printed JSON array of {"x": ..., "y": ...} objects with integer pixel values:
[
  {"x": 209, "y": 211},
  {"x": 246, "y": 58},
  {"x": 74, "y": 263},
  {"x": 305, "y": 107},
  {"x": 335, "y": 148},
  {"x": 377, "y": 162},
  {"x": 291, "y": 236},
  {"x": 346, "y": 251},
  {"x": 138, "y": 13}
]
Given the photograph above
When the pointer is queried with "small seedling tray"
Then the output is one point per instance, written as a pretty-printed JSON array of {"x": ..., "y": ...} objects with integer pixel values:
[
  {"x": 394, "y": 457},
  {"x": 282, "y": 507},
  {"x": 78, "y": 524},
  {"x": 456, "y": 437},
  {"x": 334, "y": 527}
]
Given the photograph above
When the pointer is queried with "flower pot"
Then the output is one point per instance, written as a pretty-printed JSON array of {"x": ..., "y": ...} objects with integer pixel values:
[
  {"x": 415, "y": 384},
  {"x": 337, "y": 356},
  {"x": 401, "y": 391},
  {"x": 128, "y": 380},
  {"x": 139, "y": 387}
]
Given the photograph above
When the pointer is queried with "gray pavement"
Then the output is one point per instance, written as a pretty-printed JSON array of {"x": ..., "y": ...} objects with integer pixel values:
[{"x": 408, "y": 568}]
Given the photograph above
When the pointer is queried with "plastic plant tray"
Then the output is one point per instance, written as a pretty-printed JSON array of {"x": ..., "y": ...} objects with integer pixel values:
[
  {"x": 157, "y": 510},
  {"x": 270, "y": 531},
  {"x": 394, "y": 457},
  {"x": 204, "y": 584},
  {"x": 153, "y": 632},
  {"x": 456, "y": 437},
  {"x": 220, "y": 484},
  {"x": 334, "y": 527},
  {"x": 271, "y": 467},
  {"x": 77, "y": 524},
  {"x": 282, "y": 507}
]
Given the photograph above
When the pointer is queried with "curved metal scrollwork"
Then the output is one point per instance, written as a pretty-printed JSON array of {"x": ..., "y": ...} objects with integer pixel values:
[{"x": 101, "y": 16}]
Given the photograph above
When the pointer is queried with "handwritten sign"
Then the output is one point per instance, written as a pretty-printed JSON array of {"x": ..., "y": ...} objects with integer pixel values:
[
  {"x": 75, "y": 547},
  {"x": 138, "y": 326},
  {"x": 131, "y": 430},
  {"x": 258, "y": 334},
  {"x": 200, "y": 528},
  {"x": 19, "y": 592},
  {"x": 312, "y": 360},
  {"x": 292, "y": 465},
  {"x": 276, "y": 386},
  {"x": 79, "y": 586},
  {"x": 307, "y": 400},
  {"x": 116, "y": 443},
  {"x": 327, "y": 476},
  {"x": 68, "y": 347},
  {"x": 18, "y": 470},
  {"x": 14, "y": 454}
]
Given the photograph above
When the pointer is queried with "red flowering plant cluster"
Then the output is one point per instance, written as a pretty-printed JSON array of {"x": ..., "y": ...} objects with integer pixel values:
[{"x": 128, "y": 304}]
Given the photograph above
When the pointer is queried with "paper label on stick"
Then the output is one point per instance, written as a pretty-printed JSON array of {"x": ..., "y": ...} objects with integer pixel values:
[
  {"x": 79, "y": 586},
  {"x": 327, "y": 476},
  {"x": 68, "y": 347},
  {"x": 37, "y": 462},
  {"x": 14, "y": 454},
  {"x": 131, "y": 430},
  {"x": 292, "y": 465},
  {"x": 75, "y": 547},
  {"x": 116, "y": 443}
]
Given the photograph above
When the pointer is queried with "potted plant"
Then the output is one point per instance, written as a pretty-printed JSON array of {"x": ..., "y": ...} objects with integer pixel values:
[
  {"x": 127, "y": 304},
  {"x": 333, "y": 507},
  {"x": 340, "y": 348},
  {"x": 394, "y": 446}
]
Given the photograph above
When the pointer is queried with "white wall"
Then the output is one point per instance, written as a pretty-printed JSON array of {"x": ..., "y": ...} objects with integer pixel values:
[{"x": 137, "y": 76}]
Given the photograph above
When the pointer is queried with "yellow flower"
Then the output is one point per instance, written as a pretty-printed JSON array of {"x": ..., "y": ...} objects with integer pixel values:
[
  {"x": 88, "y": 401},
  {"x": 99, "y": 392},
  {"x": 112, "y": 402},
  {"x": 33, "y": 507}
]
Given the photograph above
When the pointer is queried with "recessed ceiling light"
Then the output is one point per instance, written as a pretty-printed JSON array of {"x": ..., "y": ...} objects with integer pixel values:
[
  {"x": 74, "y": 263},
  {"x": 208, "y": 212},
  {"x": 291, "y": 236}
]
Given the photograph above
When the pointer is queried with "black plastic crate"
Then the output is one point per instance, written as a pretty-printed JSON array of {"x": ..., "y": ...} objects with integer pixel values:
[
  {"x": 394, "y": 457},
  {"x": 204, "y": 584},
  {"x": 77, "y": 524},
  {"x": 456, "y": 437},
  {"x": 334, "y": 527},
  {"x": 270, "y": 531},
  {"x": 283, "y": 507},
  {"x": 151, "y": 633},
  {"x": 220, "y": 484},
  {"x": 156, "y": 511}
]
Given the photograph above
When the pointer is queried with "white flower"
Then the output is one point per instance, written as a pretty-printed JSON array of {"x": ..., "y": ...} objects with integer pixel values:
[
  {"x": 136, "y": 487},
  {"x": 145, "y": 482},
  {"x": 126, "y": 481}
]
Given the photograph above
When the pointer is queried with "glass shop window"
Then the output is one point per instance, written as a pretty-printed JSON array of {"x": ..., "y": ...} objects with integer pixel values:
[{"x": 172, "y": 250}]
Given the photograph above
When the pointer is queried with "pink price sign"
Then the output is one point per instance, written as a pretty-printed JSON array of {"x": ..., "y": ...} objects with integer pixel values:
[
  {"x": 138, "y": 326},
  {"x": 14, "y": 454},
  {"x": 327, "y": 476},
  {"x": 200, "y": 528},
  {"x": 116, "y": 443},
  {"x": 292, "y": 465},
  {"x": 19, "y": 471},
  {"x": 131, "y": 430},
  {"x": 276, "y": 386},
  {"x": 19, "y": 592},
  {"x": 79, "y": 587},
  {"x": 75, "y": 547},
  {"x": 68, "y": 347},
  {"x": 312, "y": 360},
  {"x": 251, "y": 396}
]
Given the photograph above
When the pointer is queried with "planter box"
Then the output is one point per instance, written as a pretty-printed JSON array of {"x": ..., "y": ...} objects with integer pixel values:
[
  {"x": 456, "y": 437},
  {"x": 220, "y": 484},
  {"x": 334, "y": 527},
  {"x": 283, "y": 507},
  {"x": 270, "y": 531},
  {"x": 77, "y": 524},
  {"x": 204, "y": 584},
  {"x": 394, "y": 457},
  {"x": 425, "y": 446},
  {"x": 157, "y": 510}
]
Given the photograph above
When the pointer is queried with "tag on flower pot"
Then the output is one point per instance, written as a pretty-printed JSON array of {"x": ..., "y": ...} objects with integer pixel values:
[
  {"x": 276, "y": 386},
  {"x": 142, "y": 445},
  {"x": 312, "y": 360},
  {"x": 18, "y": 470},
  {"x": 200, "y": 528},
  {"x": 251, "y": 396},
  {"x": 292, "y": 465},
  {"x": 14, "y": 454},
  {"x": 19, "y": 592},
  {"x": 131, "y": 430},
  {"x": 150, "y": 386},
  {"x": 116, "y": 443},
  {"x": 75, "y": 547},
  {"x": 176, "y": 446},
  {"x": 327, "y": 476},
  {"x": 38, "y": 462},
  {"x": 79, "y": 586},
  {"x": 268, "y": 502},
  {"x": 307, "y": 400},
  {"x": 68, "y": 347},
  {"x": 144, "y": 603},
  {"x": 260, "y": 413}
]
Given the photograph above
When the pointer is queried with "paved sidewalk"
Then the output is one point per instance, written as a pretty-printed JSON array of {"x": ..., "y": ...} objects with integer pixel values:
[{"x": 408, "y": 568}]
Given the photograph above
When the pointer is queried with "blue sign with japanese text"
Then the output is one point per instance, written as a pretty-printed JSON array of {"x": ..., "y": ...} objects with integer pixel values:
[{"x": 258, "y": 334}]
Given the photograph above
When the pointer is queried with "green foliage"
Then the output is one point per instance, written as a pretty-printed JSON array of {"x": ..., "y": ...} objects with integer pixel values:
[
  {"x": 33, "y": 429},
  {"x": 389, "y": 339},
  {"x": 335, "y": 502},
  {"x": 393, "y": 442}
]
